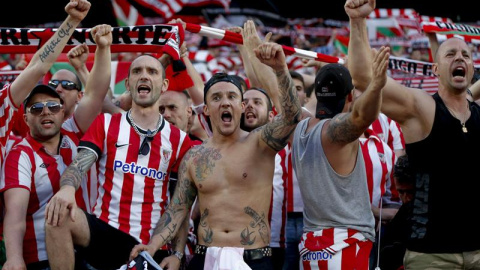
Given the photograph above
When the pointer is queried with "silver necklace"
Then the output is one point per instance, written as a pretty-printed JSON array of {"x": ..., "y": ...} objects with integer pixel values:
[{"x": 149, "y": 133}]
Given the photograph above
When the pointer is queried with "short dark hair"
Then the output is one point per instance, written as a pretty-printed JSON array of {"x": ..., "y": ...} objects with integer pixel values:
[
  {"x": 298, "y": 76},
  {"x": 221, "y": 77},
  {"x": 242, "y": 81},
  {"x": 269, "y": 101}
]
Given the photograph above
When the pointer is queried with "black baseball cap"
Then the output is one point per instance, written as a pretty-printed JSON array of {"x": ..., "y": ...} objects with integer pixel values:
[
  {"x": 332, "y": 85},
  {"x": 42, "y": 88}
]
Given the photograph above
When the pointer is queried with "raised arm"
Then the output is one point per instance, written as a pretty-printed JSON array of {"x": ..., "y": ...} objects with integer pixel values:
[
  {"x": 399, "y": 102},
  {"x": 345, "y": 128},
  {"x": 276, "y": 133},
  {"x": 177, "y": 210},
  {"x": 44, "y": 58},
  {"x": 78, "y": 56},
  {"x": 262, "y": 73},
  {"x": 98, "y": 81},
  {"x": 63, "y": 202}
]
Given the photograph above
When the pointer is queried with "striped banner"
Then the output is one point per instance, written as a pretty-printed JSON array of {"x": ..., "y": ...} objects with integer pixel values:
[
  {"x": 144, "y": 38},
  {"x": 468, "y": 32},
  {"x": 237, "y": 38}
]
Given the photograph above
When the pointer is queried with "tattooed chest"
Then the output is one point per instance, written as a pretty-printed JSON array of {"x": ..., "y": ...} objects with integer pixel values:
[{"x": 204, "y": 162}]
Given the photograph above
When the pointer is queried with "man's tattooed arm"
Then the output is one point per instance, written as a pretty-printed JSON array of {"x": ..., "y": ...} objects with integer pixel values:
[
  {"x": 276, "y": 133},
  {"x": 341, "y": 129},
  {"x": 179, "y": 207},
  {"x": 180, "y": 240},
  {"x": 76, "y": 171}
]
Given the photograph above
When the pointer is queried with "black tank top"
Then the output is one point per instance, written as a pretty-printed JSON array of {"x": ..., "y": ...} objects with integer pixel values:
[{"x": 447, "y": 202}]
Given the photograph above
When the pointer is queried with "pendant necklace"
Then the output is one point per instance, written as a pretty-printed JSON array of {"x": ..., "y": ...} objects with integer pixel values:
[{"x": 464, "y": 128}]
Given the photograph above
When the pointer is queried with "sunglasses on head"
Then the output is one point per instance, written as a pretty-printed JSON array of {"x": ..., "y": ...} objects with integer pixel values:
[
  {"x": 37, "y": 108},
  {"x": 67, "y": 85}
]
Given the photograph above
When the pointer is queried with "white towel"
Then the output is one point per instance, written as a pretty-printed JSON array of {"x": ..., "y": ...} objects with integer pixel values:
[{"x": 225, "y": 258}]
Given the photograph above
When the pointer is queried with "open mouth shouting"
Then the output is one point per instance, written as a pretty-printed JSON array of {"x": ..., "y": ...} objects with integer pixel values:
[
  {"x": 226, "y": 117},
  {"x": 459, "y": 72},
  {"x": 250, "y": 116},
  {"x": 144, "y": 89}
]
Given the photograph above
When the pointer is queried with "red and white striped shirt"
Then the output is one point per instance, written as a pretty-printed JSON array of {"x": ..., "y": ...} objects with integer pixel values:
[
  {"x": 379, "y": 160},
  {"x": 29, "y": 166},
  {"x": 132, "y": 188},
  {"x": 294, "y": 197},
  {"x": 7, "y": 112},
  {"x": 278, "y": 205},
  {"x": 388, "y": 131}
]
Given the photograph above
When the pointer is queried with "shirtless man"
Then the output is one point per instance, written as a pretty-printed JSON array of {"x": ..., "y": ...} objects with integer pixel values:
[{"x": 233, "y": 190}]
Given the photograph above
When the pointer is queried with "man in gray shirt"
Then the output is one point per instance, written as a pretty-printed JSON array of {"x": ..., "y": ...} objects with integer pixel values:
[{"x": 338, "y": 221}]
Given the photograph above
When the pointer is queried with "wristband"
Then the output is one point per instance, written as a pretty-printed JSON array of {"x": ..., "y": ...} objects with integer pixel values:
[{"x": 178, "y": 254}]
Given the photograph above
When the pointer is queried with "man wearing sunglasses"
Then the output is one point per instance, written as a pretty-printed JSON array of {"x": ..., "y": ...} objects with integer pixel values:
[
  {"x": 12, "y": 95},
  {"x": 31, "y": 174},
  {"x": 33, "y": 167},
  {"x": 135, "y": 152}
]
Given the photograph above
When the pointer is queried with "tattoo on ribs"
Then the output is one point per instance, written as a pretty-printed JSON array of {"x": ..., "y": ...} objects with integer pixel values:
[
  {"x": 260, "y": 222},
  {"x": 208, "y": 232},
  {"x": 204, "y": 161}
]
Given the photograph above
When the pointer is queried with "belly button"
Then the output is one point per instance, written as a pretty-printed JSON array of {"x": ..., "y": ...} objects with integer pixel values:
[{"x": 245, "y": 175}]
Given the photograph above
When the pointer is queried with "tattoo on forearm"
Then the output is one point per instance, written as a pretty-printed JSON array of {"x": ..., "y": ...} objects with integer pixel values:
[
  {"x": 76, "y": 171},
  {"x": 166, "y": 221},
  {"x": 50, "y": 47},
  {"x": 208, "y": 232},
  {"x": 342, "y": 130},
  {"x": 260, "y": 222},
  {"x": 180, "y": 239},
  {"x": 204, "y": 159},
  {"x": 178, "y": 208},
  {"x": 276, "y": 133}
]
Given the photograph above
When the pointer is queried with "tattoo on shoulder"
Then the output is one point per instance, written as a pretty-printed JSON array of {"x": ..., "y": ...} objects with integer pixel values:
[
  {"x": 207, "y": 231},
  {"x": 342, "y": 130},
  {"x": 203, "y": 160},
  {"x": 259, "y": 223},
  {"x": 75, "y": 172}
]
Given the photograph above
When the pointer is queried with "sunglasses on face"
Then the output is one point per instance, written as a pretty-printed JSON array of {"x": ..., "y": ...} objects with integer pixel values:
[
  {"x": 37, "y": 108},
  {"x": 67, "y": 85}
]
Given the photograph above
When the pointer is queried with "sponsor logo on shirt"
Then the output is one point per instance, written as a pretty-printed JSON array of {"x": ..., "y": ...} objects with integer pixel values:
[
  {"x": 317, "y": 256},
  {"x": 121, "y": 144},
  {"x": 136, "y": 169}
]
